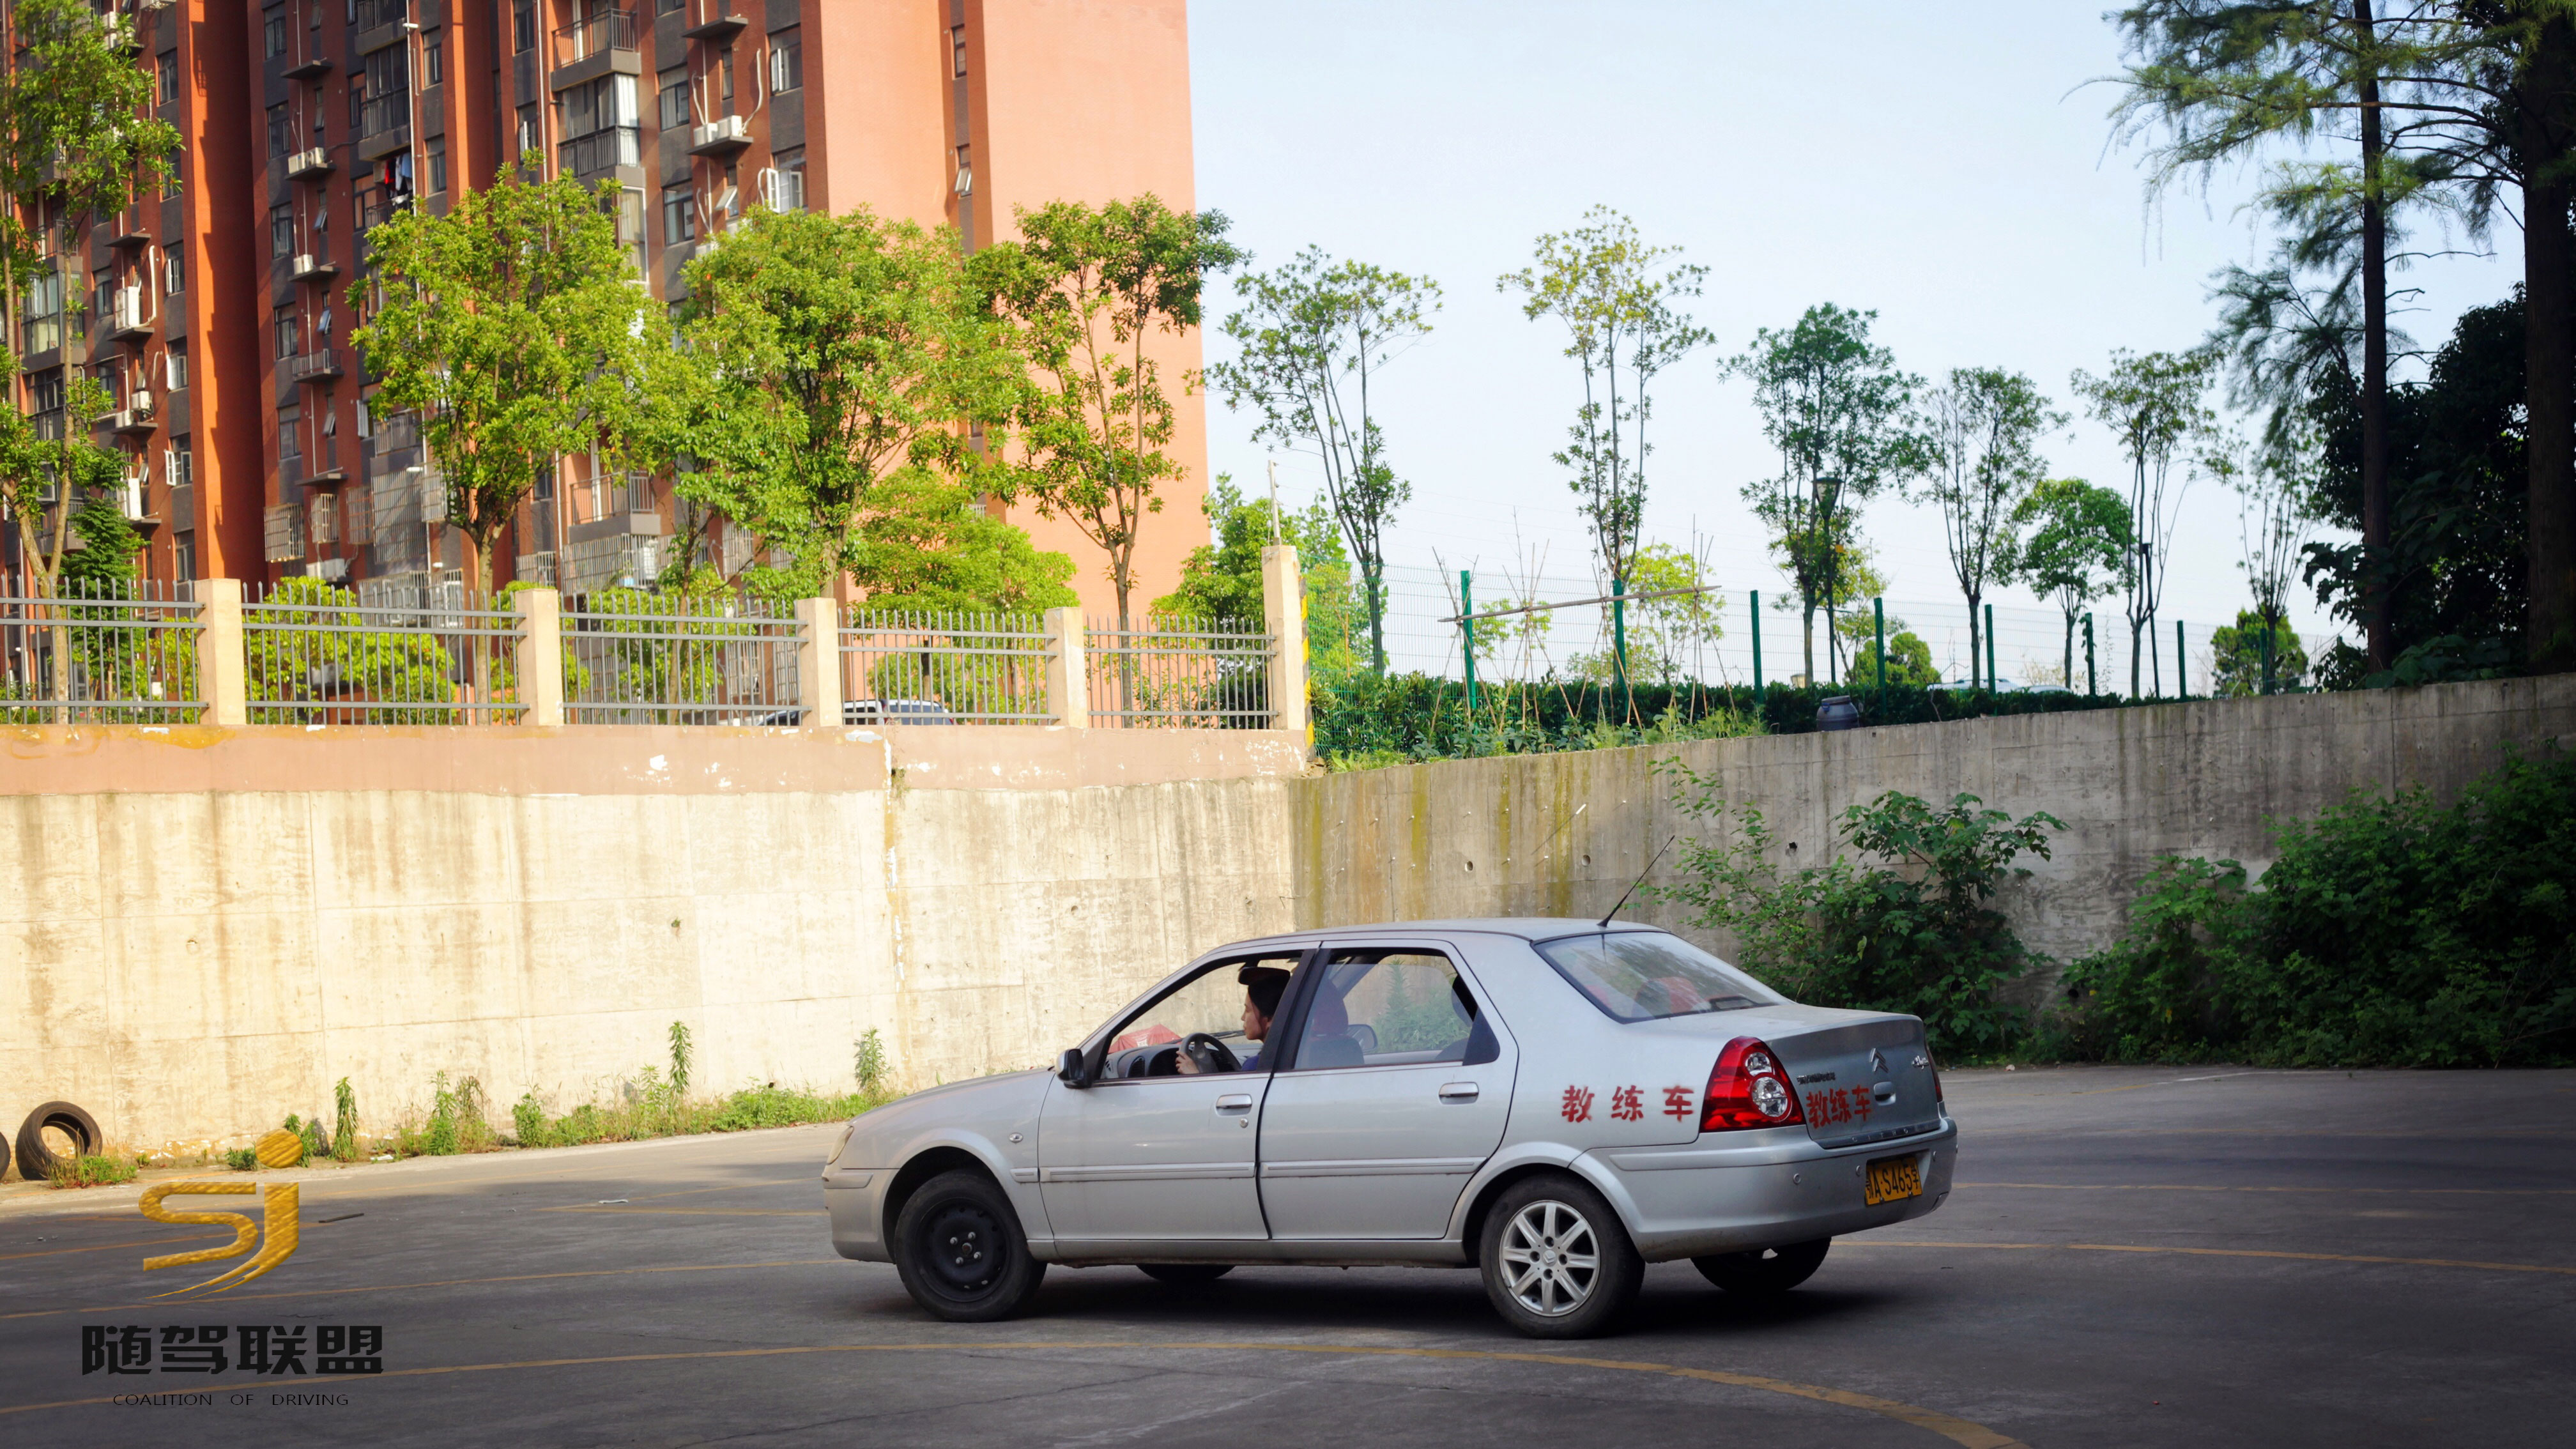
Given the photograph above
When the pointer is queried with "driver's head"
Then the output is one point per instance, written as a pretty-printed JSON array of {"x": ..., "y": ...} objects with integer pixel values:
[{"x": 1262, "y": 988}]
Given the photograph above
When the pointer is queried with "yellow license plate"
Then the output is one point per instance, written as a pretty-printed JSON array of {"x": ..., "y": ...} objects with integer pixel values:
[{"x": 1891, "y": 1179}]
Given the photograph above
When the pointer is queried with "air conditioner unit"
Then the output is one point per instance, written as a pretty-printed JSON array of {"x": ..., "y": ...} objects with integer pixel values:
[
  {"x": 140, "y": 404},
  {"x": 304, "y": 162},
  {"x": 130, "y": 316},
  {"x": 723, "y": 129},
  {"x": 130, "y": 497},
  {"x": 303, "y": 263}
]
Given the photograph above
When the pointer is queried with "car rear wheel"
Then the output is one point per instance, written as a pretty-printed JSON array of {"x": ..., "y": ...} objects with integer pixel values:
[
  {"x": 1556, "y": 1262},
  {"x": 960, "y": 1251},
  {"x": 1185, "y": 1275},
  {"x": 1765, "y": 1274}
]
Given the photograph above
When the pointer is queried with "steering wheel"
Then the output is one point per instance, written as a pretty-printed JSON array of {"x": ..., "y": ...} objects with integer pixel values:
[{"x": 1208, "y": 1054}]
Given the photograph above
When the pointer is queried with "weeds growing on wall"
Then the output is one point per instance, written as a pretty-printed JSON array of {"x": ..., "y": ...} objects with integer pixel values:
[
  {"x": 2390, "y": 932},
  {"x": 1902, "y": 920}
]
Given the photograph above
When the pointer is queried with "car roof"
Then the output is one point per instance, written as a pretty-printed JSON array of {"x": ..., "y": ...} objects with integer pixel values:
[{"x": 1527, "y": 928}]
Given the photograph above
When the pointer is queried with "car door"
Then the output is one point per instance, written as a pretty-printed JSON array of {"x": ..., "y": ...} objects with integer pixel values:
[
  {"x": 1158, "y": 1158},
  {"x": 1395, "y": 1093}
]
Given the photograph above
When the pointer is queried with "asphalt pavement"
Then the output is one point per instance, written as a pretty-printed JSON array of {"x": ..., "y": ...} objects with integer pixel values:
[{"x": 2204, "y": 1257}]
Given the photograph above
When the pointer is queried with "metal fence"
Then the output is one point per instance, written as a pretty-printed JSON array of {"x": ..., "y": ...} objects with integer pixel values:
[
  {"x": 902, "y": 667},
  {"x": 90, "y": 652},
  {"x": 1204, "y": 673},
  {"x": 632, "y": 657},
  {"x": 316, "y": 653}
]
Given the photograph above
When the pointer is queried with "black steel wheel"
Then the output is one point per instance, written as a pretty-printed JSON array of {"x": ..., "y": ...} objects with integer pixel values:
[
  {"x": 960, "y": 1251},
  {"x": 37, "y": 1158},
  {"x": 1765, "y": 1274},
  {"x": 1185, "y": 1275}
]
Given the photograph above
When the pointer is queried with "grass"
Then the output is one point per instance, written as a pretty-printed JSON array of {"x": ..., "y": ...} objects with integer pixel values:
[{"x": 92, "y": 1172}]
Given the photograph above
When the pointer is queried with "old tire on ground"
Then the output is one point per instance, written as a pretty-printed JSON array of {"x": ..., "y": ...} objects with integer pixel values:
[
  {"x": 1557, "y": 1262},
  {"x": 1185, "y": 1275},
  {"x": 1765, "y": 1274},
  {"x": 960, "y": 1252},
  {"x": 36, "y": 1158}
]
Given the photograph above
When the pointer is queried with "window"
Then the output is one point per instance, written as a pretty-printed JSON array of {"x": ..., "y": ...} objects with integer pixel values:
[
  {"x": 273, "y": 31},
  {"x": 666, "y": 7},
  {"x": 957, "y": 50},
  {"x": 433, "y": 57},
  {"x": 290, "y": 332},
  {"x": 630, "y": 226},
  {"x": 45, "y": 391},
  {"x": 1146, "y": 1044},
  {"x": 183, "y": 555},
  {"x": 281, "y": 231},
  {"x": 724, "y": 69},
  {"x": 388, "y": 71},
  {"x": 607, "y": 102},
  {"x": 437, "y": 165},
  {"x": 281, "y": 129},
  {"x": 1386, "y": 1008},
  {"x": 730, "y": 203},
  {"x": 174, "y": 273},
  {"x": 102, "y": 292},
  {"x": 174, "y": 366},
  {"x": 786, "y": 181},
  {"x": 177, "y": 173},
  {"x": 45, "y": 316},
  {"x": 787, "y": 61},
  {"x": 523, "y": 25},
  {"x": 679, "y": 215},
  {"x": 675, "y": 97},
  {"x": 290, "y": 423},
  {"x": 178, "y": 468},
  {"x": 1648, "y": 975},
  {"x": 169, "y": 69}
]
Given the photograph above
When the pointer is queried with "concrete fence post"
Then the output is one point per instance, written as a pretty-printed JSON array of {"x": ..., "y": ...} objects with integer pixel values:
[
  {"x": 1283, "y": 615},
  {"x": 818, "y": 661},
  {"x": 223, "y": 662},
  {"x": 539, "y": 660},
  {"x": 1068, "y": 682}
]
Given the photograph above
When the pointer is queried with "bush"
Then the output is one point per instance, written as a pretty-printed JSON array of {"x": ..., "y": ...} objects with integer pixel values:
[
  {"x": 1918, "y": 934},
  {"x": 91, "y": 1172},
  {"x": 242, "y": 1159},
  {"x": 2388, "y": 933}
]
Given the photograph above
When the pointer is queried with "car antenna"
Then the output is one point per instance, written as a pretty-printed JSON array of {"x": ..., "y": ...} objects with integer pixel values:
[{"x": 1640, "y": 880}]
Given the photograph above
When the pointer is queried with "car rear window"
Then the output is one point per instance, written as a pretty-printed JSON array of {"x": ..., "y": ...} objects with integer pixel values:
[{"x": 1647, "y": 976}]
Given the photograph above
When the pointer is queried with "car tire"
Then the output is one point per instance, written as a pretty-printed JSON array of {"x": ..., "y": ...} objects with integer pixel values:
[
  {"x": 1557, "y": 1262},
  {"x": 1766, "y": 1274},
  {"x": 960, "y": 1251},
  {"x": 1185, "y": 1275},
  {"x": 36, "y": 1161}
]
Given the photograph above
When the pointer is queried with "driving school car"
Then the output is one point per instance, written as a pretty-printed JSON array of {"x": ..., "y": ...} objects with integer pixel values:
[{"x": 1555, "y": 1103}]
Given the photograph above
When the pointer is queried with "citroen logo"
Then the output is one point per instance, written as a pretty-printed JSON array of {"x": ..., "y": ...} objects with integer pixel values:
[{"x": 1877, "y": 1062}]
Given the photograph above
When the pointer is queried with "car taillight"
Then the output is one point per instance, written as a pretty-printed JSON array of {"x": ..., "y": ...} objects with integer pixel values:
[{"x": 1749, "y": 1088}]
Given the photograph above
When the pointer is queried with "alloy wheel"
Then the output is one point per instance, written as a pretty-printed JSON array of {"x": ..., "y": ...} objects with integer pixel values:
[{"x": 1551, "y": 1259}]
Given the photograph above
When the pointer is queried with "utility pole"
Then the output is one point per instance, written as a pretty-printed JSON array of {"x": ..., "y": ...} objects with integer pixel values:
[{"x": 1466, "y": 617}]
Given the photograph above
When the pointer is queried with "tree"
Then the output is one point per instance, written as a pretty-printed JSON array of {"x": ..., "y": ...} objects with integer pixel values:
[
  {"x": 1617, "y": 300},
  {"x": 1314, "y": 334},
  {"x": 2241, "y": 668},
  {"x": 1087, "y": 288},
  {"x": 1835, "y": 405},
  {"x": 1981, "y": 428},
  {"x": 513, "y": 326},
  {"x": 928, "y": 544},
  {"x": 1909, "y": 659},
  {"x": 2151, "y": 402},
  {"x": 2077, "y": 549},
  {"x": 2275, "y": 490},
  {"x": 843, "y": 360},
  {"x": 1222, "y": 579},
  {"x": 1667, "y": 636}
]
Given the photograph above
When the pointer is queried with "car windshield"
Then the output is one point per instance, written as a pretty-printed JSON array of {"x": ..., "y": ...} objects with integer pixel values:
[{"x": 1646, "y": 976}]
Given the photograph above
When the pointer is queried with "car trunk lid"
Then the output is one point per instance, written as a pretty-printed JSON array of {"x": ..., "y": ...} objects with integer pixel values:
[{"x": 1861, "y": 1081}]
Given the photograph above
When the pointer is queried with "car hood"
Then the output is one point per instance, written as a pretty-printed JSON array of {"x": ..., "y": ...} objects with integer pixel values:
[{"x": 984, "y": 1107}]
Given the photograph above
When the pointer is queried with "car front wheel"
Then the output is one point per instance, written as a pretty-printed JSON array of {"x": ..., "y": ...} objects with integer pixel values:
[
  {"x": 960, "y": 1251},
  {"x": 1556, "y": 1262},
  {"x": 1765, "y": 1274}
]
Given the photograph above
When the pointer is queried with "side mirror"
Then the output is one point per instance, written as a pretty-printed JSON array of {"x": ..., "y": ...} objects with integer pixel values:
[{"x": 1072, "y": 1070}]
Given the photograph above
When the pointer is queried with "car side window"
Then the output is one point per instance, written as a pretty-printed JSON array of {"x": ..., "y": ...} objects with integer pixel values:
[
  {"x": 1389, "y": 1008},
  {"x": 1212, "y": 1001}
]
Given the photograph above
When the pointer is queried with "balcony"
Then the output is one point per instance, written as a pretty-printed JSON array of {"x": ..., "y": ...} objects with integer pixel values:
[
  {"x": 138, "y": 415},
  {"x": 384, "y": 124},
  {"x": 127, "y": 228},
  {"x": 599, "y": 34},
  {"x": 310, "y": 68},
  {"x": 322, "y": 364},
  {"x": 615, "y": 146},
  {"x": 723, "y": 135},
  {"x": 314, "y": 267},
  {"x": 307, "y": 164},
  {"x": 713, "y": 21}
]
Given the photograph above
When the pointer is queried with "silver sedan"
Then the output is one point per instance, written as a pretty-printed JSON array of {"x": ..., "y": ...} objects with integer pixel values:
[{"x": 1555, "y": 1103}]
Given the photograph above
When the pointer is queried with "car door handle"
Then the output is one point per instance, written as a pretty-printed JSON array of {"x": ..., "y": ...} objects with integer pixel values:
[
  {"x": 1232, "y": 1100},
  {"x": 1457, "y": 1091}
]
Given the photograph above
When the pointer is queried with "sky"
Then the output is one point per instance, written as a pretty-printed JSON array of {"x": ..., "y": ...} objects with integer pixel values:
[{"x": 1952, "y": 168}]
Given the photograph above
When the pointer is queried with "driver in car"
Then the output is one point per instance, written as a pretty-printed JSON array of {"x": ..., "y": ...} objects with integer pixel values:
[{"x": 1262, "y": 988}]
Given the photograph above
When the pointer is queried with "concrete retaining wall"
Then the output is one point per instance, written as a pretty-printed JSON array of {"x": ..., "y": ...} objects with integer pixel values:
[{"x": 201, "y": 930}]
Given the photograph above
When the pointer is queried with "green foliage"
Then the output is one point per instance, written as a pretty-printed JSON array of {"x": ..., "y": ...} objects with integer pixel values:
[
  {"x": 1619, "y": 302},
  {"x": 298, "y": 659},
  {"x": 1981, "y": 430},
  {"x": 930, "y": 546},
  {"x": 1918, "y": 934},
  {"x": 513, "y": 326},
  {"x": 1087, "y": 288},
  {"x": 1667, "y": 637},
  {"x": 443, "y": 1135},
  {"x": 1408, "y": 1024},
  {"x": 830, "y": 363},
  {"x": 310, "y": 1134},
  {"x": 2151, "y": 402},
  {"x": 242, "y": 1159},
  {"x": 1314, "y": 335},
  {"x": 1909, "y": 661},
  {"x": 1222, "y": 580},
  {"x": 680, "y": 1058},
  {"x": 2389, "y": 932},
  {"x": 344, "y": 1121},
  {"x": 2239, "y": 650},
  {"x": 868, "y": 1063},
  {"x": 2076, "y": 549},
  {"x": 100, "y": 1171}
]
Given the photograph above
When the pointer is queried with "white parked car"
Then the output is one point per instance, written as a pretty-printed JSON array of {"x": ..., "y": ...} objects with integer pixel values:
[{"x": 1555, "y": 1103}]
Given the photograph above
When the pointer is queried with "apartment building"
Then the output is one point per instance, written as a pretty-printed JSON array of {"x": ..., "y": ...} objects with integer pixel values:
[{"x": 222, "y": 314}]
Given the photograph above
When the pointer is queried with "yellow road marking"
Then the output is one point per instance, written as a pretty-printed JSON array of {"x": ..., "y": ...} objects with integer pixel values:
[
  {"x": 2337, "y": 1191},
  {"x": 692, "y": 1212},
  {"x": 1957, "y": 1430},
  {"x": 104, "y": 1247},
  {"x": 445, "y": 1283},
  {"x": 1861, "y": 1242}
]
